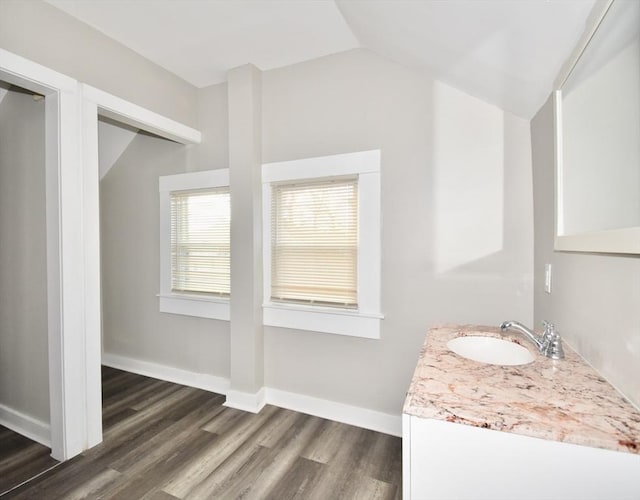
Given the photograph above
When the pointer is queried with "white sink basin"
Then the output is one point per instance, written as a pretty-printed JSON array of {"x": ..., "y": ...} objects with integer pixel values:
[{"x": 490, "y": 350}]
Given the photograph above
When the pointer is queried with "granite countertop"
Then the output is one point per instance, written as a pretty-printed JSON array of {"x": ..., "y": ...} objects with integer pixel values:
[{"x": 561, "y": 400}]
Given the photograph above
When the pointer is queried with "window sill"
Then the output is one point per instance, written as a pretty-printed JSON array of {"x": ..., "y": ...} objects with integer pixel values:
[
  {"x": 195, "y": 305},
  {"x": 323, "y": 319}
]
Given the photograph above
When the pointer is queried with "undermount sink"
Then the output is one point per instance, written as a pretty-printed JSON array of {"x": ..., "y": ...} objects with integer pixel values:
[{"x": 490, "y": 350}]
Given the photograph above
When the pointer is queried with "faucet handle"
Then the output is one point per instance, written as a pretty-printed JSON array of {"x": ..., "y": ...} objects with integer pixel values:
[{"x": 551, "y": 342}]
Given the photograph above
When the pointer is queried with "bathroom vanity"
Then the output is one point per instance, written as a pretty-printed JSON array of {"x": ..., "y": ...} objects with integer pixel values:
[{"x": 548, "y": 429}]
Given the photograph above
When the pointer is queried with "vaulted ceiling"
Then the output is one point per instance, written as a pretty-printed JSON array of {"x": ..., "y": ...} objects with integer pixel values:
[{"x": 506, "y": 52}]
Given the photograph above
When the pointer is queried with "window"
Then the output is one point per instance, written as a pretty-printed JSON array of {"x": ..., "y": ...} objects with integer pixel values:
[
  {"x": 322, "y": 244},
  {"x": 195, "y": 244},
  {"x": 314, "y": 242},
  {"x": 200, "y": 244}
]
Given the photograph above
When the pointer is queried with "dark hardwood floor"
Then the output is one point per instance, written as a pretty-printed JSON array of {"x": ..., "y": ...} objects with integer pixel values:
[
  {"x": 166, "y": 441},
  {"x": 21, "y": 459}
]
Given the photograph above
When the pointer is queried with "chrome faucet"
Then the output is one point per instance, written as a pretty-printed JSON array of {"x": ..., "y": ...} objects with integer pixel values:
[{"x": 549, "y": 343}]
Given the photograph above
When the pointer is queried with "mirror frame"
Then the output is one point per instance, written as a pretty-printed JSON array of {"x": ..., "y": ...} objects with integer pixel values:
[{"x": 624, "y": 240}]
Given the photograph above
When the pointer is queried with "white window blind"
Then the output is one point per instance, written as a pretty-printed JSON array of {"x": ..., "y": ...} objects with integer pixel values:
[
  {"x": 200, "y": 241},
  {"x": 314, "y": 247}
]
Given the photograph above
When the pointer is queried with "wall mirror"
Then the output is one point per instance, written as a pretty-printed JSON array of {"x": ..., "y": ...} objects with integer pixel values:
[{"x": 597, "y": 121}]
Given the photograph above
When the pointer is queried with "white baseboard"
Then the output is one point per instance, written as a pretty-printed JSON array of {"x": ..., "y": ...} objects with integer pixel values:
[
  {"x": 339, "y": 412},
  {"x": 254, "y": 402},
  {"x": 219, "y": 385},
  {"x": 246, "y": 401},
  {"x": 28, "y": 426}
]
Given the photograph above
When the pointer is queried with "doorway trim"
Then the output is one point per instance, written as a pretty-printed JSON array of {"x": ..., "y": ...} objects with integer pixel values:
[
  {"x": 95, "y": 103},
  {"x": 73, "y": 240},
  {"x": 65, "y": 298}
]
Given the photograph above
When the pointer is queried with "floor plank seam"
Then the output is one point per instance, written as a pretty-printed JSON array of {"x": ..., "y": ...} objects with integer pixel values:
[{"x": 33, "y": 478}]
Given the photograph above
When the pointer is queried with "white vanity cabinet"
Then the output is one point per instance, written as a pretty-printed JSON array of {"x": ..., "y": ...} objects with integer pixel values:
[
  {"x": 544, "y": 430},
  {"x": 449, "y": 461}
]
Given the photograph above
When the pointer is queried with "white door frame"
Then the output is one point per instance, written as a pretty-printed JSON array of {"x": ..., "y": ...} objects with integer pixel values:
[
  {"x": 65, "y": 273},
  {"x": 94, "y": 103},
  {"x": 73, "y": 240}
]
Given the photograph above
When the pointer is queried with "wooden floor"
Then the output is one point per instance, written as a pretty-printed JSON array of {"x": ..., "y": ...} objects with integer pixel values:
[
  {"x": 21, "y": 459},
  {"x": 166, "y": 441}
]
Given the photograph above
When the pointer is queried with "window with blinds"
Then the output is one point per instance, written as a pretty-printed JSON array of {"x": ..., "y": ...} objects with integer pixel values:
[
  {"x": 200, "y": 241},
  {"x": 314, "y": 242}
]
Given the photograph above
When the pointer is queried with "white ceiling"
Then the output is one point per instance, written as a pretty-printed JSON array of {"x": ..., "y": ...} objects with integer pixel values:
[{"x": 506, "y": 52}]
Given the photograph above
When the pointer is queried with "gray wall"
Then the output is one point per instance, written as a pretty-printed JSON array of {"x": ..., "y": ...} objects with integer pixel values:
[
  {"x": 457, "y": 224},
  {"x": 595, "y": 299},
  {"x": 132, "y": 324},
  {"x": 24, "y": 378},
  {"x": 213, "y": 151},
  {"x": 457, "y": 234},
  {"x": 40, "y": 32}
]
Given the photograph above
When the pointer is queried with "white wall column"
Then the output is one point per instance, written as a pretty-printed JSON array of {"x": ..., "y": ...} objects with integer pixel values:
[
  {"x": 245, "y": 159},
  {"x": 91, "y": 237},
  {"x": 65, "y": 275}
]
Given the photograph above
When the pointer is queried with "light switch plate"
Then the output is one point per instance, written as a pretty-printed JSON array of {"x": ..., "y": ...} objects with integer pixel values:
[{"x": 547, "y": 278}]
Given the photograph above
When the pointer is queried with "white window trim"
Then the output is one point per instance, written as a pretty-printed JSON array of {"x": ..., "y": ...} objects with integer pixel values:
[
  {"x": 365, "y": 321},
  {"x": 185, "y": 303}
]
